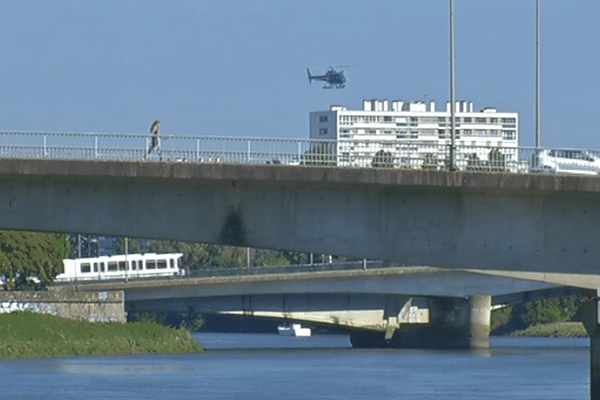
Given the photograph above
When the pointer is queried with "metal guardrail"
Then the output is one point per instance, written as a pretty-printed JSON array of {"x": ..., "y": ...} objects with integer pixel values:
[
  {"x": 351, "y": 153},
  {"x": 289, "y": 269}
]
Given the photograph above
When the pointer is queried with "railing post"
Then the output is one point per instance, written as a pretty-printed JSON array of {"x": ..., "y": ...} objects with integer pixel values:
[
  {"x": 248, "y": 160},
  {"x": 45, "y": 150},
  {"x": 96, "y": 147},
  {"x": 197, "y": 150},
  {"x": 299, "y": 151}
]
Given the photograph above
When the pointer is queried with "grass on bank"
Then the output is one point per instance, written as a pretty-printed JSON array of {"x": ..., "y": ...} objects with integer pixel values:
[
  {"x": 24, "y": 334},
  {"x": 566, "y": 329}
]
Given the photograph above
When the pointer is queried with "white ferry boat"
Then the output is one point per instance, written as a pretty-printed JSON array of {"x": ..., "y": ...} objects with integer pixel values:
[{"x": 287, "y": 329}]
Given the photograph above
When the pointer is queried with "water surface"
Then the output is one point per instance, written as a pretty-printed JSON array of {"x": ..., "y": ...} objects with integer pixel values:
[{"x": 264, "y": 366}]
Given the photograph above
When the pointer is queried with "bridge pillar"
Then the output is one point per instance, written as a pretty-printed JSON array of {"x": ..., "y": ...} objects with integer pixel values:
[
  {"x": 591, "y": 323},
  {"x": 480, "y": 316},
  {"x": 455, "y": 323}
]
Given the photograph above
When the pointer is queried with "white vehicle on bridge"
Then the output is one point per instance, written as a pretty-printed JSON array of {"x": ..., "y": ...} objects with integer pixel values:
[
  {"x": 567, "y": 162},
  {"x": 131, "y": 266}
]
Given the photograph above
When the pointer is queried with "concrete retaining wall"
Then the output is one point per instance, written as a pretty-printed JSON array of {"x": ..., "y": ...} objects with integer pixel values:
[{"x": 91, "y": 306}]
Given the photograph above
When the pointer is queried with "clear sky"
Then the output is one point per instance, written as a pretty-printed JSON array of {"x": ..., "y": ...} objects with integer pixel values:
[{"x": 238, "y": 67}]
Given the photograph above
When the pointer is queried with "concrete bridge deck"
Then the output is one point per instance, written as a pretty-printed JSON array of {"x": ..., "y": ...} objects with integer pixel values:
[
  {"x": 411, "y": 281},
  {"x": 457, "y": 220}
]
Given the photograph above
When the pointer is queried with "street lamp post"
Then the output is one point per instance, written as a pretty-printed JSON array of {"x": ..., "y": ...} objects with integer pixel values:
[
  {"x": 538, "y": 77},
  {"x": 452, "y": 91}
]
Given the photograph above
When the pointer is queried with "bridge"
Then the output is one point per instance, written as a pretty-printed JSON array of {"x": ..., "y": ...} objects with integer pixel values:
[
  {"x": 453, "y": 219},
  {"x": 381, "y": 307}
]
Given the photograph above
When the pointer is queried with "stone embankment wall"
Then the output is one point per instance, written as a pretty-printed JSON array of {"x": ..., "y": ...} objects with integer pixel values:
[{"x": 91, "y": 306}]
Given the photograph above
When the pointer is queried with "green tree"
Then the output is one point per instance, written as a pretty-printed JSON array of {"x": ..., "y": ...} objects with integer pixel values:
[
  {"x": 474, "y": 164},
  {"x": 557, "y": 309},
  {"x": 319, "y": 154},
  {"x": 133, "y": 245},
  {"x": 195, "y": 255},
  {"x": 497, "y": 160},
  {"x": 383, "y": 159},
  {"x": 32, "y": 254},
  {"x": 430, "y": 161}
]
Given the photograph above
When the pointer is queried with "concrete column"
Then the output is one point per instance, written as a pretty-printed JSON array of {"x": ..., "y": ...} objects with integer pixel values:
[
  {"x": 479, "y": 335},
  {"x": 455, "y": 323},
  {"x": 590, "y": 321}
]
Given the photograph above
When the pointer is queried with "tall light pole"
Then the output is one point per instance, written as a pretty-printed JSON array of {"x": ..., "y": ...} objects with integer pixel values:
[
  {"x": 538, "y": 76},
  {"x": 452, "y": 91}
]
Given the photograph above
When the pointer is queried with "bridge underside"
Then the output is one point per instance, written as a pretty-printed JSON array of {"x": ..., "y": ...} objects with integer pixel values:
[
  {"x": 375, "y": 320},
  {"x": 453, "y": 220},
  {"x": 345, "y": 311}
]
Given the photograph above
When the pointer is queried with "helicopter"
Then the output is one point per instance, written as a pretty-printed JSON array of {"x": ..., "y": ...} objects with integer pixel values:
[{"x": 333, "y": 78}]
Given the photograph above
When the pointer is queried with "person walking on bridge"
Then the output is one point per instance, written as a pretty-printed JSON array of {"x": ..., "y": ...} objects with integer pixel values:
[{"x": 154, "y": 136}]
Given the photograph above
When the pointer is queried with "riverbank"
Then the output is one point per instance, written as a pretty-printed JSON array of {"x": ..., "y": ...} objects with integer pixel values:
[
  {"x": 555, "y": 329},
  {"x": 25, "y": 334}
]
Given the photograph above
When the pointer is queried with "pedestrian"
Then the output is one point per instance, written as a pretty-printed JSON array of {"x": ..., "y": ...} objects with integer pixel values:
[{"x": 154, "y": 139}]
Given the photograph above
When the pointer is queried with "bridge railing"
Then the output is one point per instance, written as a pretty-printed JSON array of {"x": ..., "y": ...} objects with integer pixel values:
[
  {"x": 350, "y": 153},
  {"x": 289, "y": 269}
]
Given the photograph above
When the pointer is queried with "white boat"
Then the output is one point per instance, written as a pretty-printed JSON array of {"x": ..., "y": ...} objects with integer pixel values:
[{"x": 287, "y": 329}]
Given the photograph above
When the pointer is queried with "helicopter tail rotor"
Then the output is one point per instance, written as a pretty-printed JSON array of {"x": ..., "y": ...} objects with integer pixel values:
[{"x": 310, "y": 77}]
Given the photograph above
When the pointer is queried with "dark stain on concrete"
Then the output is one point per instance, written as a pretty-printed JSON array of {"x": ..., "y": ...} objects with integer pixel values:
[{"x": 233, "y": 232}]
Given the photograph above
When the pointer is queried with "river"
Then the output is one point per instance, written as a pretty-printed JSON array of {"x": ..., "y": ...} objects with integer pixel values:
[{"x": 265, "y": 366}]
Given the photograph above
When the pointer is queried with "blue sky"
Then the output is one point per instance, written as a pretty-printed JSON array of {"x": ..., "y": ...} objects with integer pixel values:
[{"x": 238, "y": 68}]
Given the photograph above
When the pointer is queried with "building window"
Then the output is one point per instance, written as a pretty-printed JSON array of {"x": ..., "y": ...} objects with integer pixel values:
[
  {"x": 323, "y": 131},
  {"x": 480, "y": 120},
  {"x": 509, "y": 135},
  {"x": 467, "y": 119},
  {"x": 387, "y": 118},
  {"x": 323, "y": 118}
]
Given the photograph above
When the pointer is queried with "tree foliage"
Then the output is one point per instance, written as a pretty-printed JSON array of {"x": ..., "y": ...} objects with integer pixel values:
[
  {"x": 557, "y": 309},
  {"x": 497, "y": 160},
  {"x": 209, "y": 256},
  {"x": 430, "y": 161},
  {"x": 319, "y": 154},
  {"x": 383, "y": 159},
  {"x": 133, "y": 245},
  {"x": 32, "y": 254},
  {"x": 522, "y": 316}
]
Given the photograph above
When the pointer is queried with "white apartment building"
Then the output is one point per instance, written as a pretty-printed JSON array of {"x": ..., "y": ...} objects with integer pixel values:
[{"x": 416, "y": 134}]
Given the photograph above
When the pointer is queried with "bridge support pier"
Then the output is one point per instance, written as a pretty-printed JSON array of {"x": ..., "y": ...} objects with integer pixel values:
[
  {"x": 591, "y": 323},
  {"x": 455, "y": 323}
]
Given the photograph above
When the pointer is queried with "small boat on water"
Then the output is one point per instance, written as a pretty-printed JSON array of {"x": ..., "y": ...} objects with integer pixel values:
[{"x": 287, "y": 329}]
